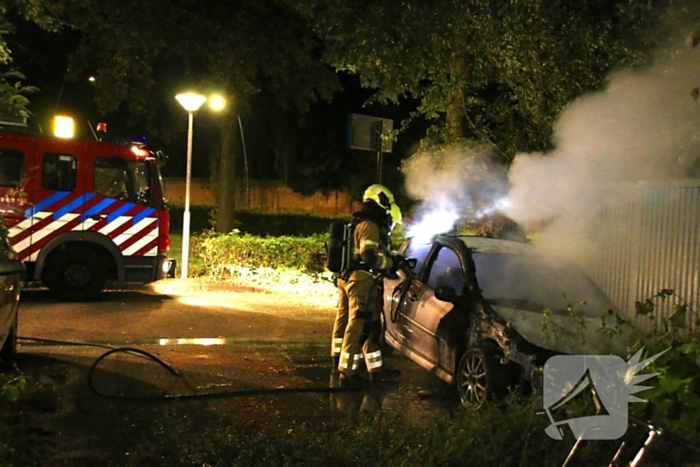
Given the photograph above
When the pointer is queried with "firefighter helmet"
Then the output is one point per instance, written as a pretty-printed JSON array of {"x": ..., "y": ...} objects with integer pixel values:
[
  {"x": 385, "y": 199},
  {"x": 396, "y": 215}
]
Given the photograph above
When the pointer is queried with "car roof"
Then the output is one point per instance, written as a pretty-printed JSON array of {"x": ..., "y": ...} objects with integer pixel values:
[{"x": 493, "y": 245}]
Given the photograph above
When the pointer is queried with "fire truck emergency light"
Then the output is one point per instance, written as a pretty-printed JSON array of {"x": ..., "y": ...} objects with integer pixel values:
[
  {"x": 139, "y": 151},
  {"x": 63, "y": 127}
]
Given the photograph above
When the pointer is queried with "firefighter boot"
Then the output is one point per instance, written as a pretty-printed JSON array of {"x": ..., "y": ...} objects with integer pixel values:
[
  {"x": 335, "y": 360},
  {"x": 354, "y": 381},
  {"x": 384, "y": 375}
]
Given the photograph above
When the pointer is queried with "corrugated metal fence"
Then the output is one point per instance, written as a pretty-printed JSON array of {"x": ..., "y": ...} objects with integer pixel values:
[{"x": 648, "y": 244}]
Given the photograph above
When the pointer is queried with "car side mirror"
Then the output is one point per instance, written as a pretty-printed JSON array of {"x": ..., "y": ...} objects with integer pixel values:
[
  {"x": 11, "y": 266},
  {"x": 446, "y": 293}
]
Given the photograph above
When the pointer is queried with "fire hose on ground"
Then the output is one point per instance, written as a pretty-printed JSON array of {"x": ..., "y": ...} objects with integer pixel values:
[{"x": 147, "y": 355}]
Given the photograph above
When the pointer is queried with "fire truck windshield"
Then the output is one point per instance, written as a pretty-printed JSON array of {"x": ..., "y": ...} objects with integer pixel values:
[
  {"x": 140, "y": 176},
  {"x": 133, "y": 181}
]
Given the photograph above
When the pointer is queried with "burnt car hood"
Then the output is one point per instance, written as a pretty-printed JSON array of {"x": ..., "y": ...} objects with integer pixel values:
[
  {"x": 580, "y": 335},
  {"x": 520, "y": 288}
]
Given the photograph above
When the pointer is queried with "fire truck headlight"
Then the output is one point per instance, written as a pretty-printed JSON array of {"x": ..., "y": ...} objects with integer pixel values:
[
  {"x": 63, "y": 126},
  {"x": 169, "y": 268}
]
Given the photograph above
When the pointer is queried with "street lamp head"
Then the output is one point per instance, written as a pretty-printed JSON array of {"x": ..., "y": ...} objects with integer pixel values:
[
  {"x": 217, "y": 102},
  {"x": 191, "y": 101}
]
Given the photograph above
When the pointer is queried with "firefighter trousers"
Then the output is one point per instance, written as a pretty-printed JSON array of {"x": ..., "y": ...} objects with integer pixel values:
[{"x": 358, "y": 312}]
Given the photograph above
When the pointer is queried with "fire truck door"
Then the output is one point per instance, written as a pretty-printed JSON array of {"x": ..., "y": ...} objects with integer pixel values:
[
  {"x": 121, "y": 212},
  {"x": 18, "y": 175},
  {"x": 57, "y": 201}
]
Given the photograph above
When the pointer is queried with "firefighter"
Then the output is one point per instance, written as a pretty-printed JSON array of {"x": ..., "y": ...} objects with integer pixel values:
[{"x": 357, "y": 327}]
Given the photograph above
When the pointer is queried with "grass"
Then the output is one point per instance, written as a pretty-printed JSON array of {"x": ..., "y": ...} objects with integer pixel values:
[
  {"x": 175, "y": 247},
  {"x": 195, "y": 265},
  {"x": 508, "y": 434}
]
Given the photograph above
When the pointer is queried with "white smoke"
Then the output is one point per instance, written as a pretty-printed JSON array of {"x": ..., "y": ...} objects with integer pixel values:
[
  {"x": 642, "y": 126},
  {"x": 454, "y": 185}
]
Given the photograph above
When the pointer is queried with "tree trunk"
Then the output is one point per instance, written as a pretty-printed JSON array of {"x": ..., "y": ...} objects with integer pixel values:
[
  {"x": 455, "y": 121},
  {"x": 214, "y": 162},
  {"x": 226, "y": 177}
]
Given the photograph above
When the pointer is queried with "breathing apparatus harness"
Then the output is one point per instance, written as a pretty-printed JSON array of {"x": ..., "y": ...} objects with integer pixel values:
[{"x": 341, "y": 248}]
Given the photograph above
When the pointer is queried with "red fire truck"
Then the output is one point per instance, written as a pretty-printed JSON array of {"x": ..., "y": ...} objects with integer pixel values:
[{"x": 82, "y": 213}]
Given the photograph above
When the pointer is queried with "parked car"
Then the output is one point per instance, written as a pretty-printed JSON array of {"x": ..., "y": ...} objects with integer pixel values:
[
  {"x": 472, "y": 311},
  {"x": 11, "y": 275}
]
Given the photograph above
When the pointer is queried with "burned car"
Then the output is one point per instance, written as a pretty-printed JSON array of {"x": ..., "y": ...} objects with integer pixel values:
[{"x": 486, "y": 314}]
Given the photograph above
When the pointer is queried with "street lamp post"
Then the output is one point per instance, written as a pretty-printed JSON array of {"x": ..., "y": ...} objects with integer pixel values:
[{"x": 191, "y": 102}]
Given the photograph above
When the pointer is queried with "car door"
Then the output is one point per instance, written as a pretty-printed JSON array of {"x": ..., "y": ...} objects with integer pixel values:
[
  {"x": 431, "y": 327},
  {"x": 395, "y": 290},
  {"x": 441, "y": 323},
  {"x": 10, "y": 270}
]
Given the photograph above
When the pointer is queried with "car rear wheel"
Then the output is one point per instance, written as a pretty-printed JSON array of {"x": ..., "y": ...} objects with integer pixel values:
[
  {"x": 76, "y": 275},
  {"x": 9, "y": 348},
  {"x": 480, "y": 376}
]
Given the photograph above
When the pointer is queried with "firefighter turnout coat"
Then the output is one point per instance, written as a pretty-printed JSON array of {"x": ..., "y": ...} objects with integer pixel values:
[{"x": 357, "y": 326}]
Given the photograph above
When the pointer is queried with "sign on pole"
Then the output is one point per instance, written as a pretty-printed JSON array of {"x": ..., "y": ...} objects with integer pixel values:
[{"x": 370, "y": 134}]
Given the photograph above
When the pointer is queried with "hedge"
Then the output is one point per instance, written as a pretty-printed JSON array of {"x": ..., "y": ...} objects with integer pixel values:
[{"x": 221, "y": 252}]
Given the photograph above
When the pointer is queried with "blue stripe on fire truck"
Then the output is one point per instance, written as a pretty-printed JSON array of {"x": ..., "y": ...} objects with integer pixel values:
[
  {"x": 76, "y": 203},
  {"x": 48, "y": 201},
  {"x": 143, "y": 214},
  {"x": 118, "y": 212},
  {"x": 96, "y": 209}
]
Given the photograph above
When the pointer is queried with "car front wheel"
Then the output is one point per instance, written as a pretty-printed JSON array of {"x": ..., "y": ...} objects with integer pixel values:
[{"x": 480, "y": 376}]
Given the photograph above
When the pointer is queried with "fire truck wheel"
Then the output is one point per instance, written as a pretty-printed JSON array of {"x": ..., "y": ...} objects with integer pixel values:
[{"x": 74, "y": 276}]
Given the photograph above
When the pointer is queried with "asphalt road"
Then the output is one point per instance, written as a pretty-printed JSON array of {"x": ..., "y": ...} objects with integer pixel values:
[{"x": 254, "y": 358}]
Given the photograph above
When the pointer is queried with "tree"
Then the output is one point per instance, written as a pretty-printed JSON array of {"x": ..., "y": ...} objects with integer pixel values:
[
  {"x": 13, "y": 94},
  {"x": 694, "y": 40},
  {"x": 499, "y": 72},
  {"x": 143, "y": 51}
]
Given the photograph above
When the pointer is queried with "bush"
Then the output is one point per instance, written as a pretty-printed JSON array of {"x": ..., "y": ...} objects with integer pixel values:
[
  {"x": 221, "y": 252},
  {"x": 285, "y": 241},
  {"x": 674, "y": 397}
]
